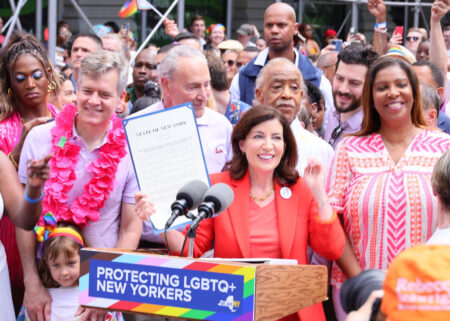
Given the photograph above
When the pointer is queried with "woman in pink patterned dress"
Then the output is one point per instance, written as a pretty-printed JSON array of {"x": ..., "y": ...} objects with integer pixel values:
[
  {"x": 26, "y": 78},
  {"x": 380, "y": 177}
]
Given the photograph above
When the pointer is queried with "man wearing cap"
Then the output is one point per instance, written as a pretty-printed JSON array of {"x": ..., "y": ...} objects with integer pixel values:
[
  {"x": 330, "y": 34},
  {"x": 245, "y": 34},
  {"x": 280, "y": 27}
]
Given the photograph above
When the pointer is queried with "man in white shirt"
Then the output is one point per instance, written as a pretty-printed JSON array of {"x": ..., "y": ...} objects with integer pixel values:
[
  {"x": 184, "y": 77},
  {"x": 279, "y": 84}
]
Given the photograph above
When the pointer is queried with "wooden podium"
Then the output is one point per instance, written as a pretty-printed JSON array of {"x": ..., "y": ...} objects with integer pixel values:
[{"x": 269, "y": 291}]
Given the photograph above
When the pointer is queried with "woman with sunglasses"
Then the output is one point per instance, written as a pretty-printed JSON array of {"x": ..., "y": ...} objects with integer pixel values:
[
  {"x": 380, "y": 178},
  {"x": 26, "y": 80}
]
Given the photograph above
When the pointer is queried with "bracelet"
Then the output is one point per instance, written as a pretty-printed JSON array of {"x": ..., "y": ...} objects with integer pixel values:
[
  {"x": 381, "y": 30},
  {"x": 32, "y": 200},
  {"x": 11, "y": 157},
  {"x": 381, "y": 25}
]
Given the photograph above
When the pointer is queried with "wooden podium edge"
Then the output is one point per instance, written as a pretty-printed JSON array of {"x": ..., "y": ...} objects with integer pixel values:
[{"x": 281, "y": 290}]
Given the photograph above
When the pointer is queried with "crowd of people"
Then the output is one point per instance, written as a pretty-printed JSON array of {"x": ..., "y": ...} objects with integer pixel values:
[{"x": 336, "y": 155}]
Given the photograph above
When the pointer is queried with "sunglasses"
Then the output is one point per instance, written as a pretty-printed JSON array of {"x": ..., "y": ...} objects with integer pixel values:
[
  {"x": 415, "y": 38},
  {"x": 230, "y": 62},
  {"x": 335, "y": 134},
  {"x": 238, "y": 64}
]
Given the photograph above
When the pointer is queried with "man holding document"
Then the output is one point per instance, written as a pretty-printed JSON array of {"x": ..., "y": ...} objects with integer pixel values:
[
  {"x": 92, "y": 182},
  {"x": 184, "y": 77}
]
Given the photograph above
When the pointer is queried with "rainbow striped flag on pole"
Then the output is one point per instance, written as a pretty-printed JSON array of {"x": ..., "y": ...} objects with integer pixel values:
[{"x": 128, "y": 9}]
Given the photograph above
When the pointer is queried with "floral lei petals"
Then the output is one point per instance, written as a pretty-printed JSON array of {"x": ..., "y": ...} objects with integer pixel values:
[{"x": 86, "y": 207}]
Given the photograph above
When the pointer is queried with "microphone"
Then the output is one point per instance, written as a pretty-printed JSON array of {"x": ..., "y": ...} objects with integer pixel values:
[
  {"x": 189, "y": 197},
  {"x": 215, "y": 201}
]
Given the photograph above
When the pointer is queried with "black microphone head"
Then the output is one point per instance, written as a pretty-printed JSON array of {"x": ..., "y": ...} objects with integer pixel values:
[
  {"x": 221, "y": 195},
  {"x": 192, "y": 192}
]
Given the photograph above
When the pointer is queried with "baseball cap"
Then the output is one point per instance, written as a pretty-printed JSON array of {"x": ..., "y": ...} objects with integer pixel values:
[
  {"x": 399, "y": 51},
  {"x": 231, "y": 44},
  {"x": 330, "y": 32},
  {"x": 417, "y": 285},
  {"x": 245, "y": 30}
]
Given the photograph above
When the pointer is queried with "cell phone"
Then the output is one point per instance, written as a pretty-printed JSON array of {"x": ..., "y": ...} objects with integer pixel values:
[
  {"x": 352, "y": 30},
  {"x": 398, "y": 30},
  {"x": 337, "y": 43}
]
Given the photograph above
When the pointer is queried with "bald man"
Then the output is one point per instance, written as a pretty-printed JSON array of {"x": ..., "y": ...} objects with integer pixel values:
[
  {"x": 327, "y": 63},
  {"x": 280, "y": 27}
]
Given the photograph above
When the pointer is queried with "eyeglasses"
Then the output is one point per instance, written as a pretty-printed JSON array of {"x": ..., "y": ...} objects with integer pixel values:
[
  {"x": 335, "y": 134},
  {"x": 65, "y": 33},
  {"x": 415, "y": 38},
  {"x": 229, "y": 62},
  {"x": 239, "y": 64}
]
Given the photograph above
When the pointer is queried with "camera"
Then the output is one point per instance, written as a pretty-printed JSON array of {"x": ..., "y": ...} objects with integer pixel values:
[{"x": 356, "y": 291}]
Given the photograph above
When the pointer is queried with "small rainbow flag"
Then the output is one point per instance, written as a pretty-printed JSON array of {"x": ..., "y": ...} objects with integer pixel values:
[{"x": 128, "y": 9}]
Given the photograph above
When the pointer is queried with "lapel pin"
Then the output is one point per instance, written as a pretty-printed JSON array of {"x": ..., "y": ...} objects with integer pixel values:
[{"x": 285, "y": 193}]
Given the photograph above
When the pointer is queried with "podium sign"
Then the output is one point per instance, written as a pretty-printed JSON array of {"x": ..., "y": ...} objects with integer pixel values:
[{"x": 168, "y": 286}]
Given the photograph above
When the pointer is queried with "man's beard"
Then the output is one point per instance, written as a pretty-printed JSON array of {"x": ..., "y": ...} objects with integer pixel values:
[{"x": 354, "y": 105}]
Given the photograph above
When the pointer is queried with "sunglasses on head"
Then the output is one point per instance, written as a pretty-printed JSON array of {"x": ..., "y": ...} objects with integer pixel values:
[
  {"x": 229, "y": 62},
  {"x": 415, "y": 38}
]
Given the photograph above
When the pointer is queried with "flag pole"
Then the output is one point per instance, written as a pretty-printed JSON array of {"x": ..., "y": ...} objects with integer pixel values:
[{"x": 155, "y": 28}]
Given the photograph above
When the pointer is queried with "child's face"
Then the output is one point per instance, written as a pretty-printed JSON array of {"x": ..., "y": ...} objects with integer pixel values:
[{"x": 65, "y": 271}]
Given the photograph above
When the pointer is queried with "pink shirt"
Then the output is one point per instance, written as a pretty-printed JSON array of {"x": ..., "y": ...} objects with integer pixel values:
[
  {"x": 105, "y": 232},
  {"x": 264, "y": 237},
  {"x": 11, "y": 128},
  {"x": 386, "y": 207}
]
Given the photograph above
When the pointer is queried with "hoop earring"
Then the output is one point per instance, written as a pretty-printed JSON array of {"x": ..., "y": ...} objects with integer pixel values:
[
  {"x": 10, "y": 93},
  {"x": 51, "y": 86}
]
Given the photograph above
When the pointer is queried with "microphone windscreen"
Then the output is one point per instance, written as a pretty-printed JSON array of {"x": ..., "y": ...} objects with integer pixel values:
[
  {"x": 193, "y": 193},
  {"x": 221, "y": 195}
]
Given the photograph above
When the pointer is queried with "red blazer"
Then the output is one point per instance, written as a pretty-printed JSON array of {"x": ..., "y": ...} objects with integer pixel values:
[{"x": 298, "y": 226}]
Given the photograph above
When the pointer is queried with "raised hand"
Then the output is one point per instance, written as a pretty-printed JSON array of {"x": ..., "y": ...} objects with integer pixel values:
[
  {"x": 143, "y": 207},
  {"x": 38, "y": 171},
  {"x": 171, "y": 28},
  {"x": 15, "y": 154},
  {"x": 439, "y": 9},
  {"x": 378, "y": 9}
]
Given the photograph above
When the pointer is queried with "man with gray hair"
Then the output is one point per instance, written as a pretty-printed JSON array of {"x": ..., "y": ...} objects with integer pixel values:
[
  {"x": 430, "y": 105},
  {"x": 184, "y": 77},
  {"x": 280, "y": 84},
  {"x": 88, "y": 146}
]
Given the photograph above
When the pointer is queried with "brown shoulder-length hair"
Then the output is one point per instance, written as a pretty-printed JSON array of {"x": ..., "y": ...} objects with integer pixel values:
[
  {"x": 52, "y": 248},
  {"x": 371, "y": 120},
  {"x": 285, "y": 173}
]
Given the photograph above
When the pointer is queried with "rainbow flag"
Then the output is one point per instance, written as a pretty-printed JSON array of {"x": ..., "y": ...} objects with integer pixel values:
[{"x": 128, "y": 9}]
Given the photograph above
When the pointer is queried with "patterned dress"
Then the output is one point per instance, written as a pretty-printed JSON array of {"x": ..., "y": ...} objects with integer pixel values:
[{"x": 386, "y": 207}]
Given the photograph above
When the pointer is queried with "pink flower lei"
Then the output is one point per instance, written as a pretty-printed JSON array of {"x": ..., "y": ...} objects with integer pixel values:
[{"x": 85, "y": 207}]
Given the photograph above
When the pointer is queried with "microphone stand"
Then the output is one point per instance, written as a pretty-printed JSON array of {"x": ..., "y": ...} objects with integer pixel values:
[{"x": 191, "y": 234}]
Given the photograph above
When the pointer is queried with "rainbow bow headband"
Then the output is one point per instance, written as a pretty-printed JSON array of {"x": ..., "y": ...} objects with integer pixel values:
[
  {"x": 43, "y": 233},
  {"x": 212, "y": 27}
]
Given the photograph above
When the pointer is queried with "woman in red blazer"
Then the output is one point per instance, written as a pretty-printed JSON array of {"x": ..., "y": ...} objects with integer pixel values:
[{"x": 275, "y": 213}]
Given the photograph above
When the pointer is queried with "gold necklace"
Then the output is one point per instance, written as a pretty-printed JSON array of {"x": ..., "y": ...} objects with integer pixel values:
[
  {"x": 24, "y": 122},
  {"x": 261, "y": 199}
]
